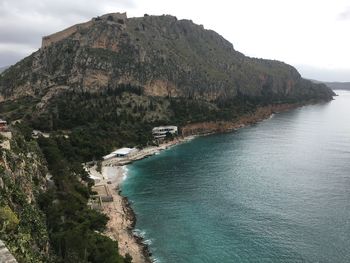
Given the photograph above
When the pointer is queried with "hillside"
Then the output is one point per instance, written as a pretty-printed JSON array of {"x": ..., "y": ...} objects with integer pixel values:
[
  {"x": 165, "y": 56},
  {"x": 118, "y": 74},
  {"x": 22, "y": 179},
  {"x": 44, "y": 216}
]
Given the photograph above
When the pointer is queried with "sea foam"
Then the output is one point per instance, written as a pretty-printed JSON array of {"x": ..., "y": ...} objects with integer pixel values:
[{"x": 125, "y": 172}]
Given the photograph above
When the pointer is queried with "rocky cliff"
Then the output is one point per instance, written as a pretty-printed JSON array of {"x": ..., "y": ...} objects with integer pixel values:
[
  {"x": 22, "y": 178},
  {"x": 165, "y": 56}
]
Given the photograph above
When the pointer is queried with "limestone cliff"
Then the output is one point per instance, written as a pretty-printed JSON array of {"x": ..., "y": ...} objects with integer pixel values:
[
  {"x": 22, "y": 179},
  {"x": 165, "y": 56}
]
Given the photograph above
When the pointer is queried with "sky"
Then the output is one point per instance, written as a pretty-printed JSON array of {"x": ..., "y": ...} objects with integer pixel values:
[{"x": 312, "y": 35}]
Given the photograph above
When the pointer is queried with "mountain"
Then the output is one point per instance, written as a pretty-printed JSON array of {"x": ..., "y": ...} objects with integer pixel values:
[
  {"x": 163, "y": 55},
  {"x": 137, "y": 72}
]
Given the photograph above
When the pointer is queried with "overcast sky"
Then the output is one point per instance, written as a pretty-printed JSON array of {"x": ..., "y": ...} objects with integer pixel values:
[{"x": 312, "y": 35}]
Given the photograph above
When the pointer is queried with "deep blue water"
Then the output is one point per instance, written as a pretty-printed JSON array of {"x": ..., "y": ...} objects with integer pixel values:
[{"x": 277, "y": 191}]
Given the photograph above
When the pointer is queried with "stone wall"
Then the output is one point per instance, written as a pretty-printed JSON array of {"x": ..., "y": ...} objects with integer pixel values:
[
  {"x": 115, "y": 16},
  {"x": 48, "y": 40},
  {"x": 53, "y": 38}
]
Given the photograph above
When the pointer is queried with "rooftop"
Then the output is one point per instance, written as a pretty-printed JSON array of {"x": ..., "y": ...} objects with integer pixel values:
[
  {"x": 170, "y": 127},
  {"x": 120, "y": 152},
  {"x": 123, "y": 151}
]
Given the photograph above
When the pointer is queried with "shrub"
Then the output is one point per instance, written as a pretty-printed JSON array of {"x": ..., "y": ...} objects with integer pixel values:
[{"x": 8, "y": 219}]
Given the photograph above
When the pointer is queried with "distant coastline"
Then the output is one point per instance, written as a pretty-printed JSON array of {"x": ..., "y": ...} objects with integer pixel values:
[
  {"x": 260, "y": 114},
  {"x": 335, "y": 85}
]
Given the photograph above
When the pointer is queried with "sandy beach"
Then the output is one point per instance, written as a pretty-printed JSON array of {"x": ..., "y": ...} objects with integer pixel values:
[
  {"x": 121, "y": 222},
  {"x": 122, "y": 219}
]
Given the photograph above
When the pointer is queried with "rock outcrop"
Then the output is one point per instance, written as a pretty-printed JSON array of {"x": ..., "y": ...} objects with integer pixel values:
[
  {"x": 76, "y": 29},
  {"x": 166, "y": 56},
  {"x": 22, "y": 223}
]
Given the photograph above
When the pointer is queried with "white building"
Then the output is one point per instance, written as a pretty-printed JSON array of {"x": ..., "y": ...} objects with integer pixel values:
[
  {"x": 36, "y": 134},
  {"x": 161, "y": 131},
  {"x": 120, "y": 153}
]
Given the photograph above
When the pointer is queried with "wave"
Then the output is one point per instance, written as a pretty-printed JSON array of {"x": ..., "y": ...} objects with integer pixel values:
[
  {"x": 147, "y": 242},
  {"x": 139, "y": 233},
  {"x": 125, "y": 172}
]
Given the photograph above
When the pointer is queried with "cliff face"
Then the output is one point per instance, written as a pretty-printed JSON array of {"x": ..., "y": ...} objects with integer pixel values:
[
  {"x": 22, "y": 179},
  {"x": 165, "y": 56}
]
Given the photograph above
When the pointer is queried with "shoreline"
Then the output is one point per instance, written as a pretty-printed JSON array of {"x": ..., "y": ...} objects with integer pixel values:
[
  {"x": 122, "y": 220},
  {"x": 260, "y": 114}
]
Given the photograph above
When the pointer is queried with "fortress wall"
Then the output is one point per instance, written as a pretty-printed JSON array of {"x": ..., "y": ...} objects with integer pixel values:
[
  {"x": 115, "y": 16},
  {"x": 53, "y": 38},
  {"x": 48, "y": 40}
]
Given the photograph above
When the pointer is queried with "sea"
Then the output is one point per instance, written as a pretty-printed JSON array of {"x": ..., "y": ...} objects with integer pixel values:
[{"x": 275, "y": 191}]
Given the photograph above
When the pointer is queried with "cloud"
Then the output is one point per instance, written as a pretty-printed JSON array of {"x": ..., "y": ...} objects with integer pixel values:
[
  {"x": 13, "y": 52},
  {"x": 323, "y": 73},
  {"x": 9, "y": 57},
  {"x": 345, "y": 15},
  {"x": 62, "y": 8}
]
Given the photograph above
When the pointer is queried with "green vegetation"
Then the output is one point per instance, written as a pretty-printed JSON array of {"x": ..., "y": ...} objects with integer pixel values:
[
  {"x": 96, "y": 123},
  {"x": 64, "y": 220},
  {"x": 22, "y": 223},
  {"x": 16, "y": 109},
  {"x": 74, "y": 229},
  {"x": 8, "y": 219}
]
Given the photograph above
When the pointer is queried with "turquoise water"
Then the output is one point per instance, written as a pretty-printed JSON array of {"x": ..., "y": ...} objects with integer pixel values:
[{"x": 277, "y": 191}]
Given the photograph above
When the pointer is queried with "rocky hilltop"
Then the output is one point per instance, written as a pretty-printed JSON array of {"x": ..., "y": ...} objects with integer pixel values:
[
  {"x": 165, "y": 56},
  {"x": 137, "y": 72}
]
